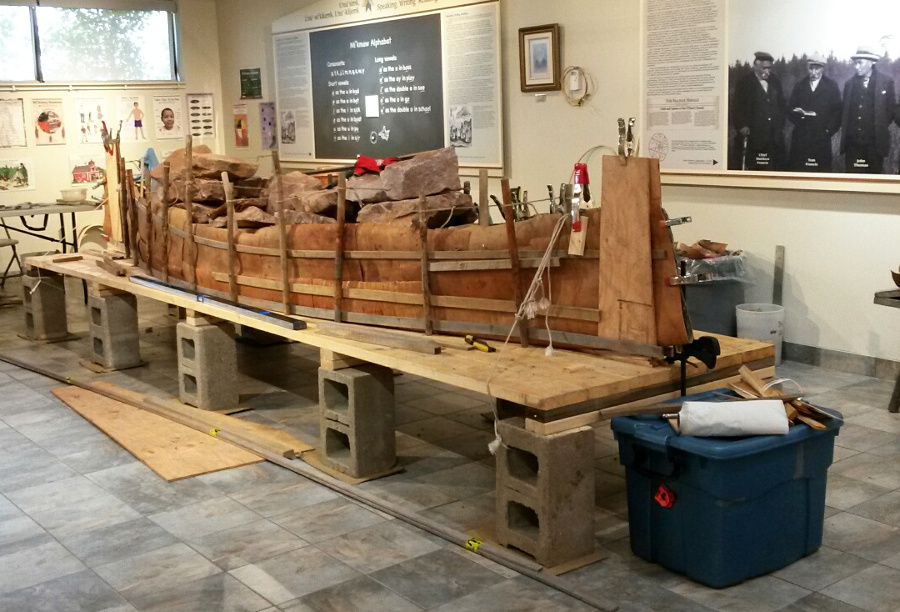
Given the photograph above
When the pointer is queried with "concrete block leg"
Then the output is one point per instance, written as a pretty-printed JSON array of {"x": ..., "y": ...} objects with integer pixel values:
[
  {"x": 207, "y": 365},
  {"x": 545, "y": 492},
  {"x": 44, "y": 304},
  {"x": 357, "y": 420},
  {"x": 113, "y": 321}
]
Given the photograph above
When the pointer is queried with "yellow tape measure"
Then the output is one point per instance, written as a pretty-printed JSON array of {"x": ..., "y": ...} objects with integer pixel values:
[
  {"x": 473, "y": 544},
  {"x": 214, "y": 432}
]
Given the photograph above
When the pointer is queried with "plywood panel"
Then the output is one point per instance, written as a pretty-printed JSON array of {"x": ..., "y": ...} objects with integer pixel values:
[{"x": 171, "y": 450}]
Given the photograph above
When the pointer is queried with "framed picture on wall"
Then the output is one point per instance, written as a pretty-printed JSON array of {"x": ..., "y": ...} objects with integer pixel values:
[{"x": 539, "y": 58}]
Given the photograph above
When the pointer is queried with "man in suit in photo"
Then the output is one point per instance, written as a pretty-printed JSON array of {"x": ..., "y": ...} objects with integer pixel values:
[
  {"x": 815, "y": 110},
  {"x": 759, "y": 112},
  {"x": 869, "y": 102}
]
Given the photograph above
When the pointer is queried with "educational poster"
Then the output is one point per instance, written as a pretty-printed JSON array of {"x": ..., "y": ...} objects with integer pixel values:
[
  {"x": 49, "y": 125},
  {"x": 201, "y": 115},
  {"x": 168, "y": 117},
  {"x": 87, "y": 169},
  {"x": 12, "y": 123},
  {"x": 132, "y": 117},
  {"x": 241, "y": 137},
  {"x": 268, "y": 126},
  {"x": 91, "y": 113},
  {"x": 16, "y": 175},
  {"x": 251, "y": 83}
]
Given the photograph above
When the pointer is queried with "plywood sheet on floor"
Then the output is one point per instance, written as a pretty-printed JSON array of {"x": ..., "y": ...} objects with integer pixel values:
[{"x": 171, "y": 450}]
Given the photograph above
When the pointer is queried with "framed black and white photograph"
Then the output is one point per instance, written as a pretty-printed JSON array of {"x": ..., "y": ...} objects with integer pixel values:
[{"x": 539, "y": 58}]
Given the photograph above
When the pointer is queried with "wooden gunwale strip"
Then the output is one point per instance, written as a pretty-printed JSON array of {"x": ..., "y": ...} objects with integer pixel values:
[
  {"x": 514, "y": 258},
  {"x": 282, "y": 236},
  {"x": 189, "y": 208},
  {"x": 167, "y": 168},
  {"x": 427, "y": 314},
  {"x": 229, "y": 203},
  {"x": 339, "y": 248}
]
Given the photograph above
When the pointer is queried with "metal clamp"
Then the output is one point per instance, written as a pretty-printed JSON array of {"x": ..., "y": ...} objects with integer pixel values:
[
  {"x": 688, "y": 279},
  {"x": 622, "y": 140},
  {"x": 675, "y": 221},
  {"x": 629, "y": 138}
]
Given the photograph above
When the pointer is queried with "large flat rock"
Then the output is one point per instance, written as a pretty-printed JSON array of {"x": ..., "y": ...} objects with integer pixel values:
[
  {"x": 425, "y": 174},
  {"x": 438, "y": 209}
]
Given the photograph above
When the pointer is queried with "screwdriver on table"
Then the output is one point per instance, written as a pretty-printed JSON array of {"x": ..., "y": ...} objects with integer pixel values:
[{"x": 479, "y": 344}]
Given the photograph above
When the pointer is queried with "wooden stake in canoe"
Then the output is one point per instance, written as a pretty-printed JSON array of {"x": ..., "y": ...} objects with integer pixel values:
[
  {"x": 148, "y": 219},
  {"x": 132, "y": 219},
  {"x": 484, "y": 211},
  {"x": 123, "y": 203},
  {"x": 339, "y": 249},
  {"x": 229, "y": 203},
  {"x": 426, "y": 282},
  {"x": 514, "y": 258},
  {"x": 189, "y": 207},
  {"x": 282, "y": 234},
  {"x": 167, "y": 168}
]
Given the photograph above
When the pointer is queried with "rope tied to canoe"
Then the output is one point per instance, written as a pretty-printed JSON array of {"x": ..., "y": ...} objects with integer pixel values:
[{"x": 529, "y": 309}]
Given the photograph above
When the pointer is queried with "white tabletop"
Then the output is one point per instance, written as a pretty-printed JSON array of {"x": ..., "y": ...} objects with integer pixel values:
[{"x": 29, "y": 208}]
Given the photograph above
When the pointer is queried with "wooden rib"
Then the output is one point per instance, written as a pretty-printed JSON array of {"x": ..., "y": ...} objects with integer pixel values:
[
  {"x": 484, "y": 210},
  {"x": 189, "y": 207},
  {"x": 514, "y": 258},
  {"x": 427, "y": 315},
  {"x": 339, "y": 247},
  {"x": 167, "y": 168},
  {"x": 229, "y": 203},
  {"x": 282, "y": 236}
]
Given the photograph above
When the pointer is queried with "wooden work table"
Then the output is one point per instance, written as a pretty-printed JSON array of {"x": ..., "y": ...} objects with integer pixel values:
[{"x": 558, "y": 388}]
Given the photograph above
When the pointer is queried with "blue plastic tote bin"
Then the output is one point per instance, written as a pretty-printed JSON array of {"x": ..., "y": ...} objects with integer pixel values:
[{"x": 722, "y": 510}]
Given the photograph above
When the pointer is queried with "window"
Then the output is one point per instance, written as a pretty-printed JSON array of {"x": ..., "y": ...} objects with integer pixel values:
[
  {"x": 16, "y": 45},
  {"x": 86, "y": 41}
]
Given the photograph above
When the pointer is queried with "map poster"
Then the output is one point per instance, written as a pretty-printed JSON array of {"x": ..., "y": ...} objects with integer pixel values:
[
  {"x": 12, "y": 123},
  {"x": 49, "y": 125},
  {"x": 16, "y": 175}
]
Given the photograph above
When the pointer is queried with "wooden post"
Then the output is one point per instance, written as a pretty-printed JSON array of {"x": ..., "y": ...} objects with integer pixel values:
[
  {"x": 229, "y": 203},
  {"x": 426, "y": 282},
  {"x": 189, "y": 207},
  {"x": 339, "y": 249},
  {"x": 123, "y": 202},
  {"x": 282, "y": 234},
  {"x": 484, "y": 209},
  {"x": 133, "y": 219},
  {"x": 514, "y": 258},
  {"x": 167, "y": 168},
  {"x": 145, "y": 190}
]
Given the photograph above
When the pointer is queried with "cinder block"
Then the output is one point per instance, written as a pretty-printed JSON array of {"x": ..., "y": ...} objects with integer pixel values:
[
  {"x": 44, "y": 304},
  {"x": 357, "y": 420},
  {"x": 113, "y": 322},
  {"x": 545, "y": 492},
  {"x": 207, "y": 366}
]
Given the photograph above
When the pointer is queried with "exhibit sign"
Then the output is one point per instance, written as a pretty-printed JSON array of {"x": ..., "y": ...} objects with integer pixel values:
[
  {"x": 769, "y": 87},
  {"x": 387, "y": 80}
]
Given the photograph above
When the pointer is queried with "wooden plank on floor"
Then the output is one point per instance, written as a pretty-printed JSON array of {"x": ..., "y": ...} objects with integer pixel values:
[{"x": 171, "y": 450}]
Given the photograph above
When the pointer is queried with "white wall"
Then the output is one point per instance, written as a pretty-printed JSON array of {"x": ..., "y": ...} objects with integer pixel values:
[{"x": 201, "y": 74}]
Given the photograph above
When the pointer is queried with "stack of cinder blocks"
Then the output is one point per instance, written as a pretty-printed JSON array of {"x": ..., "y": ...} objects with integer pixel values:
[
  {"x": 357, "y": 420},
  {"x": 113, "y": 320},
  {"x": 44, "y": 301},
  {"x": 207, "y": 364},
  {"x": 545, "y": 492}
]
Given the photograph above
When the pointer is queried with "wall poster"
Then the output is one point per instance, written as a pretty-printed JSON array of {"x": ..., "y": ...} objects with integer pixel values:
[
  {"x": 268, "y": 126},
  {"x": 168, "y": 117},
  {"x": 91, "y": 113},
  {"x": 12, "y": 123},
  {"x": 383, "y": 87},
  {"x": 727, "y": 88},
  {"x": 49, "y": 122},
  {"x": 201, "y": 115},
  {"x": 130, "y": 111},
  {"x": 16, "y": 175},
  {"x": 241, "y": 136}
]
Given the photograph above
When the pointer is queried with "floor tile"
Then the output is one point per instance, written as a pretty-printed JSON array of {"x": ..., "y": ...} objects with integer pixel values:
[
  {"x": 436, "y": 578},
  {"x": 32, "y": 468},
  {"x": 407, "y": 495},
  {"x": 69, "y": 519},
  {"x": 374, "y": 548},
  {"x": 219, "y": 593},
  {"x": 816, "y": 602},
  {"x": 360, "y": 594},
  {"x": 860, "y": 438},
  {"x": 118, "y": 542},
  {"x": 155, "y": 571},
  {"x": 246, "y": 544},
  {"x": 242, "y": 478},
  {"x": 295, "y": 574},
  {"x": 844, "y": 493},
  {"x": 870, "y": 468},
  {"x": 55, "y": 494},
  {"x": 861, "y": 536},
  {"x": 822, "y": 568},
  {"x": 514, "y": 596},
  {"x": 446, "y": 403},
  {"x": 21, "y": 532},
  {"x": 277, "y": 498},
  {"x": 148, "y": 493},
  {"x": 197, "y": 520},
  {"x": 473, "y": 516},
  {"x": 31, "y": 566},
  {"x": 880, "y": 420},
  {"x": 463, "y": 481},
  {"x": 434, "y": 428},
  {"x": 327, "y": 520},
  {"x": 757, "y": 595},
  {"x": 80, "y": 592},
  {"x": 876, "y": 588},
  {"x": 8, "y": 510},
  {"x": 884, "y": 509}
]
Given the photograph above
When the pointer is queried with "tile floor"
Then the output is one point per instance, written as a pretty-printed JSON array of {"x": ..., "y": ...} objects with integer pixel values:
[{"x": 84, "y": 526}]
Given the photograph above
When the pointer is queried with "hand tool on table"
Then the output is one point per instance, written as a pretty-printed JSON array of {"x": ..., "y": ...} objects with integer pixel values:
[
  {"x": 479, "y": 344},
  {"x": 629, "y": 138},
  {"x": 622, "y": 139}
]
